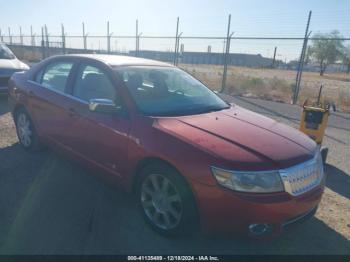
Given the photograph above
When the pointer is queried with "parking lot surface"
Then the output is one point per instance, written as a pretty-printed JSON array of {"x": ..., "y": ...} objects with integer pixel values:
[{"x": 51, "y": 205}]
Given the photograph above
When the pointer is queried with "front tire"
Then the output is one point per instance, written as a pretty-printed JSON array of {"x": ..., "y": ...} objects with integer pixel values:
[
  {"x": 166, "y": 201},
  {"x": 26, "y": 133}
]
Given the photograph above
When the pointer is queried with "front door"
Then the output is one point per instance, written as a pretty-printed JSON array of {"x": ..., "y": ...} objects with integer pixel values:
[{"x": 99, "y": 138}]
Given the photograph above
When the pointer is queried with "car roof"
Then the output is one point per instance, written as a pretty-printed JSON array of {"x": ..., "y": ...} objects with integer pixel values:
[{"x": 118, "y": 60}]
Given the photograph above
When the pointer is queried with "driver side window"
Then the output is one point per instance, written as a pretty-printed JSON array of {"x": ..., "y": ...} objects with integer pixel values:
[{"x": 93, "y": 83}]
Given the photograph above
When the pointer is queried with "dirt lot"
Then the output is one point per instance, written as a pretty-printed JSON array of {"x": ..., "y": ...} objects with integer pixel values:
[
  {"x": 275, "y": 84},
  {"x": 50, "y": 205}
]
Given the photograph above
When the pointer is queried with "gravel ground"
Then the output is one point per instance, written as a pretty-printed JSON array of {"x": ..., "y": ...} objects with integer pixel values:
[{"x": 50, "y": 205}]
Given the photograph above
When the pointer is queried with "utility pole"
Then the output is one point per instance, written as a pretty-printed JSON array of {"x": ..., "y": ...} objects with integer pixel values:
[
  {"x": 227, "y": 52},
  {"x": 176, "y": 36},
  {"x": 209, "y": 48},
  {"x": 1, "y": 37},
  {"x": 301, "y": 61},
  {"x": 274, "y": 58}
]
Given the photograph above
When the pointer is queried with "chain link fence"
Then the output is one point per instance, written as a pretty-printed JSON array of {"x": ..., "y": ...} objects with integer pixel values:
[{"x": 272, "y": 68}]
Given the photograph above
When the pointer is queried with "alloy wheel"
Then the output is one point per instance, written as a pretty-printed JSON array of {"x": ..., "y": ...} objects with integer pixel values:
[
  {"x": 161, "y": 201},
  {"x": 24, "y": 130}
]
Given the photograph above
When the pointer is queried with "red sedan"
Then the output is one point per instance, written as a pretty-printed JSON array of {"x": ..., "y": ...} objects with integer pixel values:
[{"x": 191, "y": 158}]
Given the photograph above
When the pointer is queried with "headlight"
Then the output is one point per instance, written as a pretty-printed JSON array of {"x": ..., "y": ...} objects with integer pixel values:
[{"x": 254, "y": 182}]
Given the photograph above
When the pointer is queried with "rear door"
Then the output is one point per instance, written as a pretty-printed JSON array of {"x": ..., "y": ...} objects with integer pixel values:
[{"x": 48, "y": 99}]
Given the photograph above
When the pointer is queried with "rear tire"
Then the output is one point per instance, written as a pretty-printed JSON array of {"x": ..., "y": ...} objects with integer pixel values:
[
  {"x": 26, "y": 132},
  {"x": 166, "y": 201}
]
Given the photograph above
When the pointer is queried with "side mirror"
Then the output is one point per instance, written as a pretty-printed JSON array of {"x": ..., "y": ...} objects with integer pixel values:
[{"x": 106, "y": 106}]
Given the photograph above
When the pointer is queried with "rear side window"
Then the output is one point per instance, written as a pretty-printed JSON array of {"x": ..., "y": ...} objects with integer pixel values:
[{"x": 55, "y": 75}]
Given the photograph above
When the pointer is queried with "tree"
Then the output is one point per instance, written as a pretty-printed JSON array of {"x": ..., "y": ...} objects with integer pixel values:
[
  {"x": 345, "y": 57},
  {"x": 326, "y": 49}
]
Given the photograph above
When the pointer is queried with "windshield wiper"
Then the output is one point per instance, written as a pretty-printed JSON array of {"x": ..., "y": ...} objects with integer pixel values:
[
  {"x": 210, "y": 109},
  {"x": 190, "y": 111}
]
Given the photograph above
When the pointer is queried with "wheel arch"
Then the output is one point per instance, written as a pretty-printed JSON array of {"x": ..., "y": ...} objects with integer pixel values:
[{"x": 146, "y": 162}]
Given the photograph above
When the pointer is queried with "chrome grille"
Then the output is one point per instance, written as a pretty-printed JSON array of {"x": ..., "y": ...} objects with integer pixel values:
[{"x": 303, "y": 177}]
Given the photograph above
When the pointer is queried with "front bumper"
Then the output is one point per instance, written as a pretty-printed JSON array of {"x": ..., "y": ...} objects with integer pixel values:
[{"x": 223, "y": 211}]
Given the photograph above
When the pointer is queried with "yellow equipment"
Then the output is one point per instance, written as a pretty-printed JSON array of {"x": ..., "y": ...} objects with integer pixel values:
[{"x": 314, "y": 121}]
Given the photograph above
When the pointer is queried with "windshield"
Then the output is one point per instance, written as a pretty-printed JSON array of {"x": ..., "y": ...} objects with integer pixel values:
[
  {"x": 6, "y": 53},
  {"x": 168, "y": 91}
]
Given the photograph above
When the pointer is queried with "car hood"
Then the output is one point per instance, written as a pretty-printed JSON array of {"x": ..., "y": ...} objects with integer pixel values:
[
  {"x": 12, "y": 64},
  {"x": 245, "y": 139}
]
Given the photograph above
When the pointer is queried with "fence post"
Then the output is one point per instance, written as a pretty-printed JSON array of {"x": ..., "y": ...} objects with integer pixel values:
[
  {"x": 108, "y": 39},
  {"x": 176, "y": 36},
  {"x": 84, "y": 37},
  {"x": 274, "y": 58},
  {"x": 227, "y": 51},
  {"x": 177, "y": 49},
  {"x": 20, "y": 35},
  {"x": 10, "y": 36},
  {"x": 32, "y": 37},
  {"x": 43, "y": 53},
  {"x": 302, "y": 65},
  {"x": 47, "y": 44},
  {"x": 301, "y": 61},
  {"x": 137, "y": 38},
  {"x": 63, "y": 39}
]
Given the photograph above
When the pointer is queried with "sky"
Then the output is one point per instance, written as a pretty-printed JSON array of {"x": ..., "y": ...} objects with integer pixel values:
[{"x": 259, "y": 18}]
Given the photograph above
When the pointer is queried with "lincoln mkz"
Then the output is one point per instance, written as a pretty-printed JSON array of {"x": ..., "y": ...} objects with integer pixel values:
[{"x": 193, "y": 160}]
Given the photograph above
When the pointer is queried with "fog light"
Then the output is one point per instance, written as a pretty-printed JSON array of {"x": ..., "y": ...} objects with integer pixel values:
[{"x": 258, "y": 229}]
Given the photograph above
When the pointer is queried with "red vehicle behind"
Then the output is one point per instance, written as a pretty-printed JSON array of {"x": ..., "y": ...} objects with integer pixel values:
[{"x": 191, "y": 158}]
